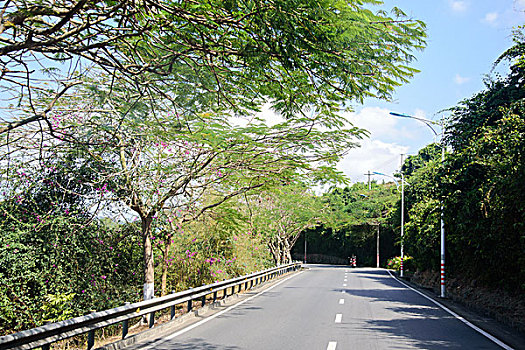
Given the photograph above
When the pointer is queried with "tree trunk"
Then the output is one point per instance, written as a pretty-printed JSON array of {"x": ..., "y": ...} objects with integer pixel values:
[
  {"x": 164, "y": 276},
  {"x": 165, "y": 265},
  {"x": 288, "y": 252},
  {"x": 149, "y": 267}
]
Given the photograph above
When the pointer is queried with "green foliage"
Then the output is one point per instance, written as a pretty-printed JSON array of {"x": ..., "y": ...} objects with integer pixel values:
[
  {"x": 57, "y": 307},
  {"x": 350, "y": 224},
  {"x": 204, "y": 253},
  {"x": 395, "y": 263},
  {"x": 480, "y": 185},
  {"x": 156, "y": 136},
  {"x": 281, "y": 214},
  {"x": 50, "y": 248}
]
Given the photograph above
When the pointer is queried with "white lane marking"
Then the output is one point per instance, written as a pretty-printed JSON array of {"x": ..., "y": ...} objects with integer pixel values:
[
  {"x": 345, "y": 280},
  {"x": 474, "y": 327},
  {"x": 341, "y": 301},
  {"x": 338, "y": 318},
  {"x": 344, "y": 284},
  {"x": 332, "y": 345},
  {"x": 195, "y": 325}
]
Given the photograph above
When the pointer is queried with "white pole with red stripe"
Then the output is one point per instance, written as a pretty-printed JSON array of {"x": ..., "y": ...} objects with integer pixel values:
[
  {"x": 402, "y": 215},
  {"x": 442, "y": 234}
]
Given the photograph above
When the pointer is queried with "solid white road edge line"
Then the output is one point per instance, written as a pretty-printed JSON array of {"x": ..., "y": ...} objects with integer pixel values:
[
  {"x": 476, "y": 328},
  {"x": 332, "y": 345},
  {"x": 195, "y": 325}
]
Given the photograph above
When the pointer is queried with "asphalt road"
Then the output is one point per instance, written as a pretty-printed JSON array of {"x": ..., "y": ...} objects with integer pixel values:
[{"x": 328, "y": 307}]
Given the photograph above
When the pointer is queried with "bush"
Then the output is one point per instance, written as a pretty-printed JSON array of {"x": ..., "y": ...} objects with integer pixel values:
[{"x": 395, "y": 263}]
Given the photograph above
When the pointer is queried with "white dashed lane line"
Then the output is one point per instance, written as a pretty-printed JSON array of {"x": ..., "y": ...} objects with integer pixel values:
[
  {"x": 332, "y": 345},
  {"x": 338, "y": 317}
]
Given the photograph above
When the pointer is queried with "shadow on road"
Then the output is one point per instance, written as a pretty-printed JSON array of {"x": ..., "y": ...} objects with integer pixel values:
[{"x": 410, "y": 317}]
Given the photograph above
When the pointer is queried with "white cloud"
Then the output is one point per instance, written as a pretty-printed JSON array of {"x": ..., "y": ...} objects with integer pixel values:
[
  {"x": 458, "y": 6},
  {"x": 377, "y": 153},
  {"x": 520, "y": 4},
  {"x": 458, "y": 79},
  {"x": 491, "y": 18},
  {"x": 373, "y": 155},
  {"x": 381, "y": 152},
  {"x": 374, "y": 119}
]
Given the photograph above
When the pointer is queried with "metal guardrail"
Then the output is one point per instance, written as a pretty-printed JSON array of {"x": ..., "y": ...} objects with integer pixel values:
[{"x": 45, "y": 335}]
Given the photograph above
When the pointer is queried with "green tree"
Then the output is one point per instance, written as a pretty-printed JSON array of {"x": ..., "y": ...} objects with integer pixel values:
[
  {"x": 480, "y": 184},
  {"x": 350, "y": 224},
  {"x": 282, "y": 214},
  {"x": 233, "y": 55}
]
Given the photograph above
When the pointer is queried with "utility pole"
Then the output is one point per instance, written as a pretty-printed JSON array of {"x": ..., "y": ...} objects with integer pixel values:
[
  {"x": 369, "y": 174},
  {"x": 377, "y": 245},
  {"x": 305, "y": 246}
]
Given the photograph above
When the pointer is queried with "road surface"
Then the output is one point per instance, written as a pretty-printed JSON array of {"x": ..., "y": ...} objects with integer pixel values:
[{"x": 329, "y": 307}]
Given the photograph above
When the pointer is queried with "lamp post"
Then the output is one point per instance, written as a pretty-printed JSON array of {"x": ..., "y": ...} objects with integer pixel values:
[
  {"x": 401, "y": 272},
  {"x": 429, "y": 123}
]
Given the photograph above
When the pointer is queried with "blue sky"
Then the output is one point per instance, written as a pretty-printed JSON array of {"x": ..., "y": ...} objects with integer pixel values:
[{"x": 464, "y": 39}]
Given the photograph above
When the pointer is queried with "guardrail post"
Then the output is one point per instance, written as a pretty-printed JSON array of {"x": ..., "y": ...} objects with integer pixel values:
[
  {"x": 45, "y": 347},
  {"x": 151, "y": 319},
  {"x": 125, "y": 325},
  {"x": 190, "y": 305},
  {"x": 203, "y": 300},
  {"x": 91, "y": 336},
  {"x": 172, "y": 309},
  {"x": 215, "y": 296}
]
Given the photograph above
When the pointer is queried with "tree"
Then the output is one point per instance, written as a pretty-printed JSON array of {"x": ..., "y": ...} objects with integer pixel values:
[
  {"x": 423, "y": 208},
  {"x": 164, "y": 78},
  {"x": 54, "y": 248},
  {"x": 233, "y": 55},
  {"x": 485, "y": 177},
  {"x": 282, "y": 214},
  {"x": 480, "y": 184},
  {"x": 350, "y": 223},
  {"x": 153, "y": 163}
]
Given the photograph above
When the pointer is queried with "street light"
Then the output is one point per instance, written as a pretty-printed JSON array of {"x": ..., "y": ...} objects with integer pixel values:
[{"x": 429, "y": 123}]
